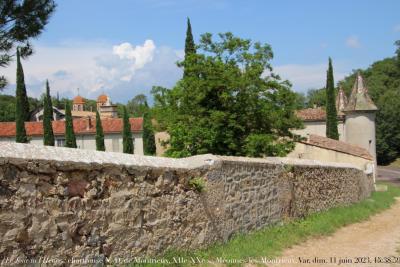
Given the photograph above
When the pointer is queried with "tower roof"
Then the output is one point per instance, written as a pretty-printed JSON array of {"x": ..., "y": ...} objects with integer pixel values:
[
  {"x": 359, "y": 98},
  {"x": 78, "y": 100},
  {"x": 102, "y": 98},
  {"x": 341, "y": 101}
]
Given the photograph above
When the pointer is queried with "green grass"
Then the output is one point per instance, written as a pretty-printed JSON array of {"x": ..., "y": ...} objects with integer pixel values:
[
  {"x": 395, "y": 163},
  {"x": 271, "y": 241}
]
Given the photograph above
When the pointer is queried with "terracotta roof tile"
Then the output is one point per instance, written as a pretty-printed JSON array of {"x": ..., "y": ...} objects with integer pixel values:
[
  {"x": 78, "y": 100},
  {"x": 314, "y": 114},
  {"x": 340, "y": 146},
  {"x": 81, "y": 126},
  {"x": 311, "y": 114}
]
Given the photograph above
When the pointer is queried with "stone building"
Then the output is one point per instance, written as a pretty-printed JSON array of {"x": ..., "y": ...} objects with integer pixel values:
[
  {"x": 105, "y": 107},
  {"x": 85, "y": 132},
  {"x": 356, "y": 118}
]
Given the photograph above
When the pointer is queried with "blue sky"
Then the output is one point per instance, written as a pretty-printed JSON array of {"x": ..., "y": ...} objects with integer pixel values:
[{"x": 124, "y": 47}]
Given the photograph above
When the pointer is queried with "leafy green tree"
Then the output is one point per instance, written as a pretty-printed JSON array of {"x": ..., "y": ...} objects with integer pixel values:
[
  {"x": 127, "y": 141},
  {"x": 99, "y": 134},
  {"x": 301, "y": 101},
  {"x": 19, "y": 22},
  {"x": 149, "y": 144},
  {"x": 331, "y": 113},
  {"x": 388, "y": 127},
  {"x": 22, "y": 104},
  {"x": 397, "y": 43},
  {"x": 231, "y": 107},
  {"x": 190, "y": 47},
  {"x": 90, "y": 105},
  {"x": 70, "y": 139},
  {"x": 48, "y": 138},
  {"x": 316, "y": 98},
  {"x": 137, "y": 106}
]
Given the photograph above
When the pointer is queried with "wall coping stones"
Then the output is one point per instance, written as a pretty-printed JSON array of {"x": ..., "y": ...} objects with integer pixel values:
[{"x": 70, "y": 155}]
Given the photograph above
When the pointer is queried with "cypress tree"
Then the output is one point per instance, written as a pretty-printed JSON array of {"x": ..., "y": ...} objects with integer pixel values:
[
  {"x": 127, "y": 141},
  {"x": 70, "y": 139},
  {"x": 149, "y": 144},
  {"x": 99, "y": 134},
  {"x": 22, "y": 106},
  {"x": 331, "y": 113},
  {"x": 48, "y": 138},
  {"x": 190, "y": 47}
]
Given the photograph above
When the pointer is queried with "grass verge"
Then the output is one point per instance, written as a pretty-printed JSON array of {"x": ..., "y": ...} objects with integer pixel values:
[
  {"x": 271, "y": 241},
  {"x": 395, "y": 163}
]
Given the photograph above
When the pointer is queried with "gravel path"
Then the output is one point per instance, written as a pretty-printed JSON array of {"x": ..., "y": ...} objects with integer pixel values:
[{"x": 377, "y": 237}]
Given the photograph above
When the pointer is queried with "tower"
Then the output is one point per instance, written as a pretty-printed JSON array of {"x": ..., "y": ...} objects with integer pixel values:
[
  {"x": 78, "y": 103},
  {"x": 360, "y": 118}
]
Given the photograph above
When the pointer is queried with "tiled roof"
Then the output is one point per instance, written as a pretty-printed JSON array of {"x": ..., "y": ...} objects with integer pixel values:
[
  {"x": 314, "y": 114},
  {"x": 340, "y": 146},
  {"x": 81, "y": 126},
  {"x": 102, "y": 98},
  {"x": 311, "y": 114},
  {"x": 79, "y": 100}
]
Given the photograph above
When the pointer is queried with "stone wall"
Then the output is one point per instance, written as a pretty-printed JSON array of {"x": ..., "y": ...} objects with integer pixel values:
[{"x": 66, "y": 203}]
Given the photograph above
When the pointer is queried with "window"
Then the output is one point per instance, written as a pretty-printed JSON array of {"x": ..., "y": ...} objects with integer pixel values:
[{"x": 60, "y": 142}]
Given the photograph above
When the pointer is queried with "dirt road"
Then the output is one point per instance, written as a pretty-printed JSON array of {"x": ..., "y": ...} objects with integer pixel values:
[{"x": 377, "y": 237}]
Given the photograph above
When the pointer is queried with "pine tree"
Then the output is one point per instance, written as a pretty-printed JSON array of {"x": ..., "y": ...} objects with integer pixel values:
[
  {"x": 99, "y": 134},
  {"x": 127, "y": 141},
  {"x": 70, "y": 139},
  {"x": 190, "y": 47},
  {"x": 48, "y": 138},
  {"x": 22, "y": 105},
  {"x": 331, "y": 113},
  {"x": 149, "y": 144}
]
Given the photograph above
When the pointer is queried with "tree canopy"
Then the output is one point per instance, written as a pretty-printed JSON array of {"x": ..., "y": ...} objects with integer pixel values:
[
  {"x": 19, "y": 22},
  {"x": 235, "y": 105}
]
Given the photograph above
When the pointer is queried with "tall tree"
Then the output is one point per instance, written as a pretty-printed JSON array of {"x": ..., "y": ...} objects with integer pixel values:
[
  {"x": 48, "y": 138},
  {"x": 21, "y": 105},
  {"x": 231, "y": 107},
  {"x": 70, "y": 139},
  {"x": 397, "y": 43},
  {"x": 136, "y": 107},
  {"x": 127, "y": 141},
  {"x": 331, "y": 113},
  {"x": 190, "y": 47},
  {"x": 19, "y": 22},
  {"x": 99, "y": 134},
  {"x": 149, "y": 144}
]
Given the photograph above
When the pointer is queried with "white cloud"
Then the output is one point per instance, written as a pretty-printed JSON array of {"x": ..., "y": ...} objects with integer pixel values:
[
  {"x": 353, "y": 42},
  {"x": 122, "y": 71},
  {"x": 304, "y": 77},
  {"x": 139, "y": 54},
  {"x": 397, "y": 28}
]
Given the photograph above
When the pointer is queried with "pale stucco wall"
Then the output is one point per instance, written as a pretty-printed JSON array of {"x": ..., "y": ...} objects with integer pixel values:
[
  {"x": 360, "y": 130},
  {"x": 306, "y": 151},
  {"x": 113, "y": 142},
  {"x": 319, "y": 128}
]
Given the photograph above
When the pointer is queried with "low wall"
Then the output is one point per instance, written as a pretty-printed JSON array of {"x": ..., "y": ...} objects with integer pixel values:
[{"x": 65, "y": 203}]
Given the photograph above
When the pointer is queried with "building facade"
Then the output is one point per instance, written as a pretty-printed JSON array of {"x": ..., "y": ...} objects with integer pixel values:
[
  {"x": 356, "y": 118},
  {"x": 85, "y": 132}
]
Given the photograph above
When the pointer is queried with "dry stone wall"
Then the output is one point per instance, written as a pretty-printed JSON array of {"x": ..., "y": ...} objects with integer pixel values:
[{"x": 67, "y": 204}]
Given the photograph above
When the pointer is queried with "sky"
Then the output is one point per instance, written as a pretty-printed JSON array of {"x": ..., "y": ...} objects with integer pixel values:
[{"x": 124, "y": 47}]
